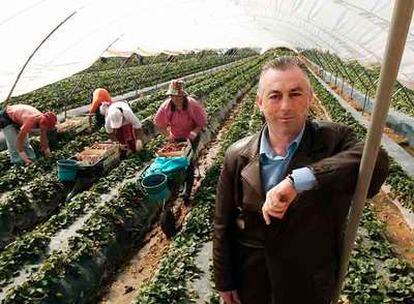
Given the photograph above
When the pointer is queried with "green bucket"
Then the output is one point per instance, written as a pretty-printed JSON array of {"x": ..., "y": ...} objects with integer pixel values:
[
  {"x": 67, "y": 169},
  {"x": 155, "y": 185}
]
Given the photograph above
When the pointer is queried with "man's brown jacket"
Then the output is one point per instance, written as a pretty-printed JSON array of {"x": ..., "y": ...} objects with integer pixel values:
[{"x": 301, "y": 251}]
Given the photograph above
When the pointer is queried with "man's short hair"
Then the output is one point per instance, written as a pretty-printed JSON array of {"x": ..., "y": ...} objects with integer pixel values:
[{"x": 281, "y": 63}]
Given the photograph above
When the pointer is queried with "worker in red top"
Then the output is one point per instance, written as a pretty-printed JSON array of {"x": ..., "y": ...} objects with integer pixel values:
[
  {"x": 99, "y": 97},
  {"x": 17, "y": 121},
  {"x": 181, "y": 117}
]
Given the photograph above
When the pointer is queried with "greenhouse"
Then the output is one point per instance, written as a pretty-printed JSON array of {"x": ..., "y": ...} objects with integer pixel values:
[{"x": 221, "y": 151}]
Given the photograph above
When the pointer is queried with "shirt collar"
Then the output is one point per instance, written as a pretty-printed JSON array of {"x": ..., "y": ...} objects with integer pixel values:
[{"x": 266, "y": 150}]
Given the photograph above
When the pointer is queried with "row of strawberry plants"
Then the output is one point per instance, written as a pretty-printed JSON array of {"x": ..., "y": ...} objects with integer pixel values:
[
  {"x": 178, "y": 267},
  {"x": 401, "y": 184},
  {"x": 53, "y": 97},
  {"x": 375, "y": 274},
  {"x": 116, "y": 62},
  {"x": 16, "y": 207},
  {"x": 96, "y": 239},
  {"x": 363, "y": 79}
]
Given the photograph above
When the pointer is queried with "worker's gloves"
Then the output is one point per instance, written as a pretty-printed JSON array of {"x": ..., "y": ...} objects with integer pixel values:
[{"x": 192, "y": 135}]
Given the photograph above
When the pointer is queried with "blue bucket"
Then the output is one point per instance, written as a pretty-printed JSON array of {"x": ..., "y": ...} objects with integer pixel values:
[
  {"x": 155, "y": 185},
  {"x": 67, "y": 169}
]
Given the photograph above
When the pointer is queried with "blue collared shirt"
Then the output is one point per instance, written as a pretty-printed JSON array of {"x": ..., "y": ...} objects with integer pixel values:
[{"x": 273, "y": 167}]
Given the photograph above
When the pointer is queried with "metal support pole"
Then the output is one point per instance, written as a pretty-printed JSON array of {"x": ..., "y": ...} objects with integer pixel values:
[{"x": 400, "y": 23}]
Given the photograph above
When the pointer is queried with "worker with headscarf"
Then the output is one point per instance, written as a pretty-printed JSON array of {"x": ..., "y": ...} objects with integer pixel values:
[
  {"x": 17, "y": 121},
  {"x": 100, "y": 96}
]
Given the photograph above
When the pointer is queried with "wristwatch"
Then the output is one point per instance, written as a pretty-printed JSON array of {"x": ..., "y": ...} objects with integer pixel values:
[{"x": 290, "y": 178}]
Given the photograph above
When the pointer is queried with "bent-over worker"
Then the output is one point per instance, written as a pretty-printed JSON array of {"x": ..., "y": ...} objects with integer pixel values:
[
  {"x": 17, "y": 121},
  {"x": 122, "y": 125}
]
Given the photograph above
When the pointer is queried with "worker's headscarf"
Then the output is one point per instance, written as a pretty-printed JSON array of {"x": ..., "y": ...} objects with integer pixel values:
[
  {"x": 48, "y": 120},
  {"x": 103, "y": 109},
  {"x": 99, "y": 96}
]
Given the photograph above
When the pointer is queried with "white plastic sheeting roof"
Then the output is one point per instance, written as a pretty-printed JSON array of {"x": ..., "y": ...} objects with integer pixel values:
[{"x": 353, "y": 29}]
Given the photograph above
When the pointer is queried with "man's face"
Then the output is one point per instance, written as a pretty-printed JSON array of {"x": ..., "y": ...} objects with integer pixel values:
[{"x": 285, "y": 98}]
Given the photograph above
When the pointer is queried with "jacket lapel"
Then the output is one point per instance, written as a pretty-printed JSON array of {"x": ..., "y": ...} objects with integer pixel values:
[{"x": 251, "y": 171}]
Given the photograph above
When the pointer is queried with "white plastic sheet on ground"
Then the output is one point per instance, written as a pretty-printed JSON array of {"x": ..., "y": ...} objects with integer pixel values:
[{"x": 353, "y": 29}]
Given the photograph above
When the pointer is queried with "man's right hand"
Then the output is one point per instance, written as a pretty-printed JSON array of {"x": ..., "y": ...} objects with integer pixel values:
[
  {"x": 24, "y": 157},
  {"x": 230, "y": 297}
]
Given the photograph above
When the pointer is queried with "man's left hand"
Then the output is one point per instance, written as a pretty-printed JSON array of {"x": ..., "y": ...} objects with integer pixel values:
[{"x": 278, "y": 200}]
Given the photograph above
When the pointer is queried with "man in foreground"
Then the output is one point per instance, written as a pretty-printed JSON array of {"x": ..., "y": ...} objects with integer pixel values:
[{"x": 283, "y": 197}]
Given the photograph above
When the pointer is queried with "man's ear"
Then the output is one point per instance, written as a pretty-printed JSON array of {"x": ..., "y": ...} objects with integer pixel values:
[
  {"x": 259, "y": 102},
  {"x": 311, "y": 98}
]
